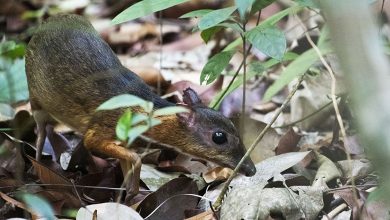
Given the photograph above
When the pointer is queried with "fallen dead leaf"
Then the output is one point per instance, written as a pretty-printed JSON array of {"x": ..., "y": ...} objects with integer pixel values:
[
  {"x": 168, "y": 202},
  {"x": 218, "y": 173},
  {"x": 265, "y": 148},
  {"x": 355, "y": 168},
  {"x": 153, "y": 178},
  {"x": 327, "y": 170},
  {"x": 18, "y": 204},
  {"x": 254, "y": 202},
  {"x": 49, "y": 176},
  {"x": 268, "y": 168},
  {"x": 288, "y": 142}
]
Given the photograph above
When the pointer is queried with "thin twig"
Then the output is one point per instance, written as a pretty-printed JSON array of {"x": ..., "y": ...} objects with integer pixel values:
[
  {"x": 328, "y": 191},
  {"x": 305, "y": 117},
  {"x": 76, "y": 192},
  {"x": 67, "y": 185},
  {"x": 218, "y": 202}
]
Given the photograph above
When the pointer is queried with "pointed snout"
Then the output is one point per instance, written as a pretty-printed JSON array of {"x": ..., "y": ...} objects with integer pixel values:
[{"x": 248, "y": 168}]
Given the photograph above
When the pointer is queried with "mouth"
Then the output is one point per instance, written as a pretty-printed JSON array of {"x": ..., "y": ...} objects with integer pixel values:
[{"x": 247, "y": 168}]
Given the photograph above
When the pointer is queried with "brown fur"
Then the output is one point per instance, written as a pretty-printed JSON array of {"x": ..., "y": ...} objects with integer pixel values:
[{"x": 71, "y": 71}]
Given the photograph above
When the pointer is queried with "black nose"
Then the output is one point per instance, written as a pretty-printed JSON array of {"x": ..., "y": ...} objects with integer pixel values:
[
  {"x": 248, "y": 168},
  {"x": 250, "y": 171}
]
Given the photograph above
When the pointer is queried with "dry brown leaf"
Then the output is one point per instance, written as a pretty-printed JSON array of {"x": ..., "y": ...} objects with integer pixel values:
[
  {"x": 264, "y": 108},
  {"x": 288, "y": 142},
  {"x": 48, "y": 176},
  {"x": 168, "y": 202},
  {"x": 218, "y": 173},
  {"x": 18, "y": 204},
  {"x": 13, "y": 201}
]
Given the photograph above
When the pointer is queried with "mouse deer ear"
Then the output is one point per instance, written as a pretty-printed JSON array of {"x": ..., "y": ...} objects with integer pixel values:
[
  {"x": 187, "y": 118},
  {"x": 191, "y": 98}
]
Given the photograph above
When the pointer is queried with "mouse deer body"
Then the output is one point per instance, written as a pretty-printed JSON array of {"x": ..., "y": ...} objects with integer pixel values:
[{"x": 71, "y": 71}]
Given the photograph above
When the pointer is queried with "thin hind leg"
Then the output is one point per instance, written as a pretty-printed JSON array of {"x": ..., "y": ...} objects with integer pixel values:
[{"x": 41, "y": 118}]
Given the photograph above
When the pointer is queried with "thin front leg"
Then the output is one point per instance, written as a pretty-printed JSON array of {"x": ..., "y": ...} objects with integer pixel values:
[{"x": 129, "y": 160}]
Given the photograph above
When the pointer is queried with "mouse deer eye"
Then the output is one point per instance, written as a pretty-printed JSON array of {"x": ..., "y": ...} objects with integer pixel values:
[{"x": 219, "y": 137}]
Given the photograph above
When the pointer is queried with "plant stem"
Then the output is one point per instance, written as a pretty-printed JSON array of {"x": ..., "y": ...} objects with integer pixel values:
[
  {"x": 238, "y": 70},
  {"x": 218, "y": 202},
  {"x": 244, "y": 75},
  {"x": 305, "y": 117}
]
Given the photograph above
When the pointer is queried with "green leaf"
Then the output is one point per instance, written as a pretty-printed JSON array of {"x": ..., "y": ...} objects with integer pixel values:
[
  {"x": 308, "y": 3},
  {"x": 260, "y": 4},
  {"x": 271, "y": 21},
  {"x": 269, "y": 40},
  {"x": 6, "y": 112},
  {"x": 39, "y": 206},
  {"x": 379, "y": 194},
  {"x": 148, "y": 107},
  {"x": 124, "y": 125},
  {"x": 7, "y": 46},
  {"x": 296, "y": 68},
  {"x": 121, "y": 101},
  {"x": 135, "y": 132},
  {"x": 17, "y": 52},
  {"x": 233, "y": 26},
  {"x": 208, "y": 33},
  {"x": 288, "y": 56},
  {"x": 254, "y": 69},
  {"x": 324, "y": 36},
  {"x": 198, "y": 13},
  {"x": 13, "y": 81},
  {"x": 169, "y": 110},
  {"x": 144, "y": 8},
  {"x": 244, "y": 6},
  {"x": 138, "y": 118},
  {"x": 215, "y": 17},
  {"x": 215, "y": 66},
  {"x": 12, "y": 50},
  {"x": 34, "y": 14},
  {"x": 387, "y": 49},
  {"x": 268, "y": 22},
  {"x": 153, "y": 122}
]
